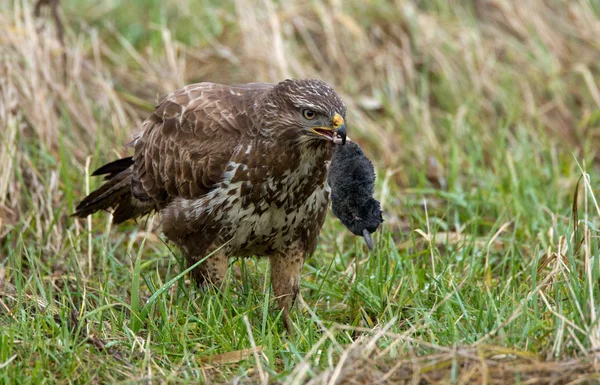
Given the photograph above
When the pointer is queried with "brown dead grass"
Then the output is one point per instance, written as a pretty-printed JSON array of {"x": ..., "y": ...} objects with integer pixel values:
[
  {"x": 409, "y": 361},
  {"x": 543, "y": 55},
  {"x": 554, "y": 81},
  {"x": 485, "y": 365}
]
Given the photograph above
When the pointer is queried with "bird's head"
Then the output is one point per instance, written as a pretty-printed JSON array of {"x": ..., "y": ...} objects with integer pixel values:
[{"x": 307, "y": 109}]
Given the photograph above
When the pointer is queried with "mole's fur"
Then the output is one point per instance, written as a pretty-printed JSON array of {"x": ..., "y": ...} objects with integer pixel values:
[{"x": 352, "y": 181}]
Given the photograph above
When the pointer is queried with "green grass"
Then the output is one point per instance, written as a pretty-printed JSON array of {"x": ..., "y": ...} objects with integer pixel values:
[{"x": 479, "y": 134}]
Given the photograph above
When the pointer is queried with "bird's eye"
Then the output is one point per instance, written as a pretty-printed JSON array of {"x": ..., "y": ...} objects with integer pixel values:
[{"x": 309, "y": 114}]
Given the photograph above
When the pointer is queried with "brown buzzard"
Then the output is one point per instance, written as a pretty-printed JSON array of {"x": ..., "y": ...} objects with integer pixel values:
[{"x": 244, "y": 164}]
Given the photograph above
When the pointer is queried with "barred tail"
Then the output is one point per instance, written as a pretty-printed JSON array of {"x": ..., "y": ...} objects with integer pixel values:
[{"x": 114, "y": 194}]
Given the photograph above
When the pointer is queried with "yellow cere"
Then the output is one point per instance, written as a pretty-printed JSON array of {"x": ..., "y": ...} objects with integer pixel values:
[{"x": 337, "y": 120}]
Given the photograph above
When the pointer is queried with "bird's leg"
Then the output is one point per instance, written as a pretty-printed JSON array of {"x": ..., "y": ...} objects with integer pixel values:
[
  {"x": 286, "y": 270},
  {"x": 212, "y": 271},
  {"x": 196, "y": 246}
]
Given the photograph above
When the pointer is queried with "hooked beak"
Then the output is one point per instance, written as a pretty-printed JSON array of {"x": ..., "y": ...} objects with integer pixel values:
[
  {"x": 340, "y": 126},
  {"x": 326, "y": 132},
  {"x": 336, "y": 132}
]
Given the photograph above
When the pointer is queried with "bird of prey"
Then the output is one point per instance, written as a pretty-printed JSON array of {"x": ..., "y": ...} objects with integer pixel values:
[{"x": 243, "y": 165}]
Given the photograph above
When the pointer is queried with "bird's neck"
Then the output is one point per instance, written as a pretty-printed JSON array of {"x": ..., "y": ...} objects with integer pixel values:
[{"x": 307, "y": 159}]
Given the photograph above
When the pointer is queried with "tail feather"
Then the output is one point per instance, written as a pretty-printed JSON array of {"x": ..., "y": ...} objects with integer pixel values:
[
  {"x": 113, "y": 168},
  {"x": 114, "y": 194},
  {"x": 106, "y": 196}
]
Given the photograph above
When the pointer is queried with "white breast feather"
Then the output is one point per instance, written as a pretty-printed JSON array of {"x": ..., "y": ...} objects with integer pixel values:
[{"x": 244, "y": 220}]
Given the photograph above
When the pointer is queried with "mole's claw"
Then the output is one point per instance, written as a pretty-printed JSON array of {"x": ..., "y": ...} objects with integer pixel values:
[{"x": 367, "y": 237}]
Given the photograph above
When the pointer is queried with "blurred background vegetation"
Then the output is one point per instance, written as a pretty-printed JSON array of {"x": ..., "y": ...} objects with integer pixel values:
[{"x": 480, "y": 116}]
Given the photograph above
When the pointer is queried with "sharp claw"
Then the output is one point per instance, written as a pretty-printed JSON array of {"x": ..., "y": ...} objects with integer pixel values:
[{"x": 367, "y": 237}]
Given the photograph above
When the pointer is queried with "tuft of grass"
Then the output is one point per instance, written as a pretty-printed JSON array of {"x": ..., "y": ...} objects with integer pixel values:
[{"x": 481, "y": 118}]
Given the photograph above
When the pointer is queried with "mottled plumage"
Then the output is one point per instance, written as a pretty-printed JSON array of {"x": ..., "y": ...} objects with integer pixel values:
[
  {"x": 352, "y": 181},
  {"x": 243, "y": 164}
]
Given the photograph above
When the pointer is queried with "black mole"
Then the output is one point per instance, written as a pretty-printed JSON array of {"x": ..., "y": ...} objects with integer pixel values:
[{"x": 352, "y": 181}]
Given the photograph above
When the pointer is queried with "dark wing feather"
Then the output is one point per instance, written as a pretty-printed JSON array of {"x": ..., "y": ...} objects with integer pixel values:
[
  {"x": 113, "y": 168},
  {"x": 190, "y": 138},
  {"x": 106, "y": 196}
]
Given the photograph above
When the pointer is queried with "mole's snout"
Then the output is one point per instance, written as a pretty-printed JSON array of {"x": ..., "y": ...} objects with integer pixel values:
[
  {"x": 368, "y": 240},
  {"x": 341, "y": 133}
]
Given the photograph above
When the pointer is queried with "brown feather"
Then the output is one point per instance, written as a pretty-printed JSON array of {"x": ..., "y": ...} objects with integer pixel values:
[
  {"x": 236, "y": 164},
  {"x": 113, "y": 168},
  {"x": 106, "y": 196},
  {"x": 189, "y": 139}
]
